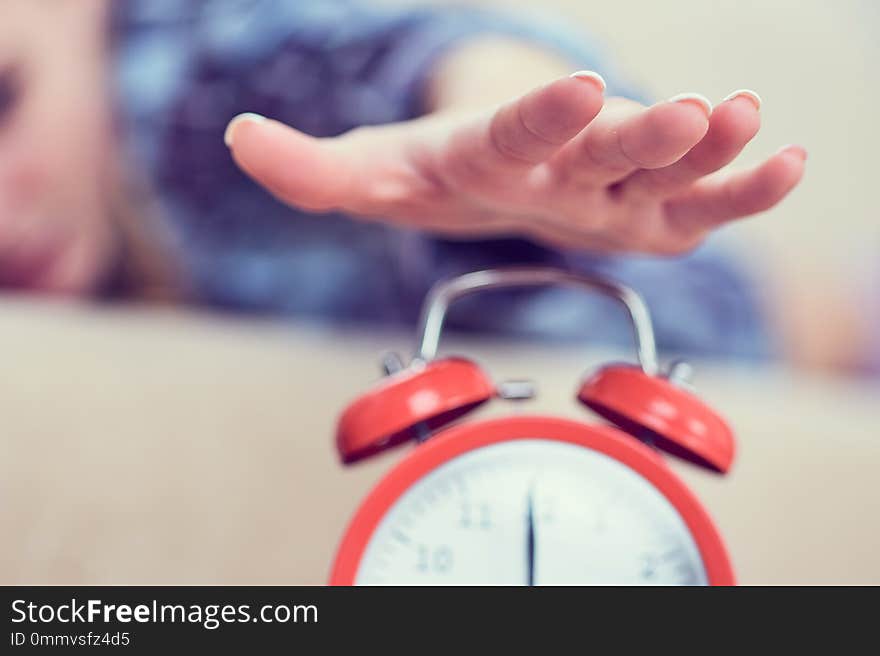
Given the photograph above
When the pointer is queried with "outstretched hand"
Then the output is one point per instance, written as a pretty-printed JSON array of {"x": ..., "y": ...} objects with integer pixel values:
[{"x": 560, "y": 164}]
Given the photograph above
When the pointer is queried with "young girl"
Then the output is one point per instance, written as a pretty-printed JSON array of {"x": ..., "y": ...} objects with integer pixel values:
[{"x": 401, "y": 146}]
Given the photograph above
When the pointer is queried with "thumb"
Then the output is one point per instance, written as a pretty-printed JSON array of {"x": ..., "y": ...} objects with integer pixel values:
[{"x": 296, "y": 168}]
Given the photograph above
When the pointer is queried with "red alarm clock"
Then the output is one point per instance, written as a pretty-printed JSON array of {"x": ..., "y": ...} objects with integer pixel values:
[{"x": 532, "y": 500}]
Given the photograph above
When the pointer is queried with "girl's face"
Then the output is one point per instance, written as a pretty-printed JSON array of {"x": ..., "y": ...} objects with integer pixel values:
[{"x": 54, "y": 126}]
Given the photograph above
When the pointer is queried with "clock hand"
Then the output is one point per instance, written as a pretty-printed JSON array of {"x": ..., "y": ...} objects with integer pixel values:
[{"x": 530, "y": 540}]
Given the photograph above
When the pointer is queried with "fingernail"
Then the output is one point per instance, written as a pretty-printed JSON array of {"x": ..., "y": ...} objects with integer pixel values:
[
  {"x": 590, "y": 75},
  {"x": 229, "y": 135},
  {"x": 695, "y": 98},
  {"x": 800, "y": 151},
  {"x": 746, "y": 93}
]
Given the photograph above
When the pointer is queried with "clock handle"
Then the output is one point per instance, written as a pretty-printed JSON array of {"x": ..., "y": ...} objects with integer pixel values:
[{"x": 444, "y": 293}]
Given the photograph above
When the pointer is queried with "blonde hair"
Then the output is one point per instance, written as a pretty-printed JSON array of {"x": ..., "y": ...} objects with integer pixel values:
[{"x": 148, "y": 267}]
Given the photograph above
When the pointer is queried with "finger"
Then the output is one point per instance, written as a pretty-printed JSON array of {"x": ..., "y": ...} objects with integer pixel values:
[
  {"x": 732, "y": 125},
  {"x": 296, "y": 168},
  {"x": 626, "y": 137},
  {"x": 529, "y": 130},
  {"x": 712, "y": 202}
]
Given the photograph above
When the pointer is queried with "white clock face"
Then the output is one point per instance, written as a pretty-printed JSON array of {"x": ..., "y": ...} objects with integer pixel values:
[{"x": 531, "y": 512}]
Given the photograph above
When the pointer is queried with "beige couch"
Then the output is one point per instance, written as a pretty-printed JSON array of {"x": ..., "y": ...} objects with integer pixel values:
[{"x": 154, "y": 447}]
